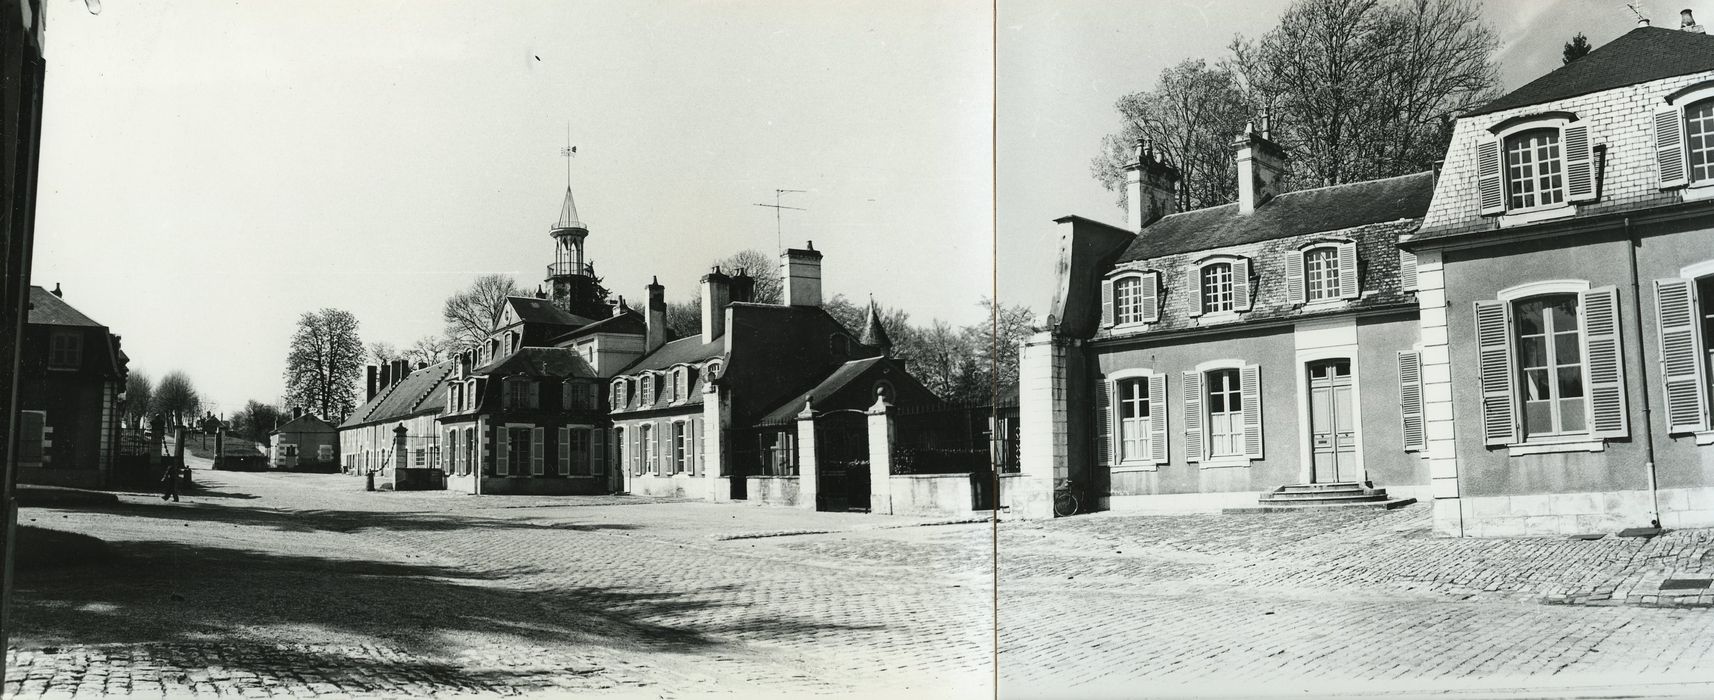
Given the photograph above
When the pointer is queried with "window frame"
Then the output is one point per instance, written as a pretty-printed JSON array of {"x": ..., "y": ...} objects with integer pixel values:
[
  {"x": 1575, "y": 159},
  {"x": 1142, "y": 422},
  {"x": 1132, "y": 316},
  {"x": 1202, "y": 454},
  {"x": 1550, "y": 340},
  {"x": 1318, "y": 292},
  {"x": 1675, "y": 112},
  {"x": 1238, "y": 267},
  {"x": 65, "y": 349},
  {"x": 1595, "y": 435},
  {"x": 1535, "y": 177}
]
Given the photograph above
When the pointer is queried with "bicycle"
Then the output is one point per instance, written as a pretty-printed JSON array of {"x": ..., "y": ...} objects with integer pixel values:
[{"x": 1064, "y": 500}]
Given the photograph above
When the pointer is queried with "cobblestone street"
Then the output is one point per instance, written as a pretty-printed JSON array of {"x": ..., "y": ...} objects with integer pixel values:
[{"x": 305, "y": 586}]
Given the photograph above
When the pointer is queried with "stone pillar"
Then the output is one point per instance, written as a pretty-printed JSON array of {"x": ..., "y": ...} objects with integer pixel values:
[
  {"x": 1441, "y": 451},
  {"x": 881, "y": 457},
  {"x": 219, "y": 446},
  {"x": 714, "y": 444},
  {"x": 178, "y": 444},
  {"x": 157, "y": 439},
  {"x": 401, "y": 457},
  {"x": 806, "y": 463},
  {"x": 1044, "y": 447}
]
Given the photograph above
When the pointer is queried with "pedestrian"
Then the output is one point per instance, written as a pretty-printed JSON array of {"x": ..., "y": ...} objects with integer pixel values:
[{"x": 171, "y": 480}]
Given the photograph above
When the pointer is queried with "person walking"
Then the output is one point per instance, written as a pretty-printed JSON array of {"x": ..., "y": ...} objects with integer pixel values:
[{"x": 171, "y": 479}]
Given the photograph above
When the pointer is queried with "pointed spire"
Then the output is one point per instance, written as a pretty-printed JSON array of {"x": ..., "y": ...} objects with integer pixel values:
[
  {"x": 874, "y": 334},
  {"x": 568, "y": 212}
]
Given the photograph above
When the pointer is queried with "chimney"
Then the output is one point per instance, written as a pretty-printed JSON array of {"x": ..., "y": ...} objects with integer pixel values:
[
  {"x": 374, "y": 376},
  {"x": 386, "y": 375},
  {"x": 402, "y": 370},
  {"x": 619, "y": 307},
  {"x": 297, "y": 412},
  {"x": 716, "y": 294},
  {"x": 61, "y": 294},
  {"x": 1688, "y": 23},
  {"x": 1261, "y": 166},
  {"x": 743, "y": 286},
  {"x": 801, "y": 273},
  {"x": 656, "y": 317},
  {"x": 1150, "y": 188},
  {"x": 422, "y": 365}
]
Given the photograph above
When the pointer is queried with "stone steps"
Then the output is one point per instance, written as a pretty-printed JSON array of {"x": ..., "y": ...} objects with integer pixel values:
[{"x": 1349, "y": 494}]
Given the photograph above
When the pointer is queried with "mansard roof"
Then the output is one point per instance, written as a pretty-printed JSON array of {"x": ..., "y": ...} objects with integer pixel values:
[
  {"x": 422, "y": 391},
  {"x": 627, "y": 323},
  {"x": 1639, "y": 56},
  {"x": 1296, "y": 213},
  {"x": 544, "y": 311},
  {"x": 557, "y": 363},
  {"x": 46, "y": 309},
  {"x": 687, "y": 350}
]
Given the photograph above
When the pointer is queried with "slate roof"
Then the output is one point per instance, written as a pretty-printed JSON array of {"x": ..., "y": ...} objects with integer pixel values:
[
  {"x": 686, "y": 350},
  {"x": 787, "y": 411},
  {"x": 1291, "y": 214},
  {"x": 49, "y": 310},
  {"x": 533, "y": 310},
  {"x": 1641, "y": 55},
  {"x": 307, "y": 422},
  {"x": 539, "y": 362},
  {"x": 629, "y": 322},
  {"x": 422, "y": 391}
]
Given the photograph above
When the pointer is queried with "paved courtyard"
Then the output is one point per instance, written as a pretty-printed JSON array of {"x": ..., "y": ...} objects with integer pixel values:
[{"x": 299, "y": 585}]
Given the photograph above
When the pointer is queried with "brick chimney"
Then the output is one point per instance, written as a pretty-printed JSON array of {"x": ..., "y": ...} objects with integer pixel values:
[
  {"x": 386, "y": 376},
  {"x": 716, "y": 294},
  {"x": 656, "y": 317},
  {"x": 1150, "y": 188},
  {"x": 743, "y": 286},
  {"x": 374, "y": 377},
  {"x": 1688, "y": 23},
  {"x": 1261, "y": 166},
  {"x": 800, "y": 270}
]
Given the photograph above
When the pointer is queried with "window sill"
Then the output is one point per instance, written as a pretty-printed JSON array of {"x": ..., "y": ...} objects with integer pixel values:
[
  {"x": 1129, "y": 327},
  {"x": 1698, "y": 191},
  {"x": 1224, "y": 462},
  {"x": 1558, "y": 446},
  {"x": 1217, "y": 317},
  {"x": 1530, "y": 216},
  {"x": 1705, "y": 437},
  {"x": 1325, "y": 305},
  {"x": 1133, "y": 467}
]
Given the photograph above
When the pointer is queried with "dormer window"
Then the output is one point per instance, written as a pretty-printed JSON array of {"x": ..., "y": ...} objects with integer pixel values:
[
  {"x": 1699, "y": 140},
  {"x": 1321, "y": 268},
  {"x": 1217, "y": 288},
  {"x": 470, "y": 395},
  {"x": 1322, "y": 271},
  {"x": 1533, "y": 177},
  {"x": 681, "y": 384},
  {"x": 1130, "y": 297},
  {"x": 1535, "y": 163},
  {"x": 648, "y": 388},
  {"x": 619, "y": 393}
]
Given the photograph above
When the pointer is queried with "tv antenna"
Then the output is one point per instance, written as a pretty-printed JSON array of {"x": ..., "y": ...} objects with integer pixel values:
[
  {"x": 779, "y": 238},
  {"x": 1637, "y": 9}
]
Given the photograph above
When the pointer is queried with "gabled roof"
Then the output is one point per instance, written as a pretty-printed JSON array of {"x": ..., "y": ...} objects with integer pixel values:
[
  {"x": 49, "y": 310},
  {"x": 1639, "y": 56},
  {"x": 533, "y": 310},
  {"x": 305, "y": 423},
  {"x": 422, "y": 391},
  {"x": 539, "y": 362},
  {"x": 1291, "y": 214},
  {"x": 629, "y": 323},
  {"x": 787, "y": 411}
]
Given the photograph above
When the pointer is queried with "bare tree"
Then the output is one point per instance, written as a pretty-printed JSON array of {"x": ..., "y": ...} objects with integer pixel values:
[
  {"x": 470, "y": 315},
  {"x": 381, "y": 353},
  {"x": 1190, "y": 118},
  {"x": 138, "y": 391},
  {"x": 428, "y": 350},
  {"x": 764, "y": 268},
  {"x": 684, "y": 318},
  {"x": 324, "y": 363},
  {"x": 175, "y": 398}
]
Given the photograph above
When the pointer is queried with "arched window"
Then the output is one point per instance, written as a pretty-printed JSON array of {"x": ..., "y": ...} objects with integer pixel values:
[
  {"x": 1534, "y": 173},
  {"x": 1128, "y": 300},
  {"x": 1699, "y": 139},
  {"x": 1321, "y": 273},
  {"x": 1216, "y": 287}
]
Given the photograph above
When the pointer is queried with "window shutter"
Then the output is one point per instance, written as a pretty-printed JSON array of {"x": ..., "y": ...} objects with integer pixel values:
[
  {"x": 564, "y": 451},
  {"x": 597, "y": 451},
  {"x": 1157, "y": 418},
  {"x": 1250, "y": 385},
  {"x": 1103, "y": 421},
  {"x": 696, "y": 447},
  {"x": 31, "y": 428},
  {"x": 1604, "y": 362},
  {"x": 1241, "y": 284},
  {"x": 536, "y": 453},
  {"x": 662, "y": 462},
  {"x": 1348, "y": 282},
  {"x": 1407, "y": 270},
  {"x": 1410, "y": 401},
  {"x": 501, "y": 465},
  {"x": 1669, "y": 147},
  {"x": 1192, "y": 386},
  {"x": 1488, "y": 183},
  {"x": 1107, "y": 303},
  {"x": 535, "y": 394},
  {"x": 1494, "y": 361},
  {"x": 1151, "y": 297},
  {"x": 638, "y": 461},
  {"x": 1579, "y": 163},
  {"x": 1294, "y": 277},
  {"x": 1680, "y": 356}
]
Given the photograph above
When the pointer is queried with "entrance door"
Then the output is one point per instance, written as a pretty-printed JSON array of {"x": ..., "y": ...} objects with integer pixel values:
[{"x": 1332, "y": 422}]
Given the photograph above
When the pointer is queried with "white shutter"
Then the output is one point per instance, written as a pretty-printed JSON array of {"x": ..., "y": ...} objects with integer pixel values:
[
  {"x": 1669, "y": 147},
  {"x": 1104, "y": 432},
  {"x": 1579, "y": 163},
  {"x": 1250, "y": 385},
  {"x": 1241, "y": 284},
  {"x": 1348, "y": 282},
  {"x": 1151, "y": 297},
  {"x": 1686, "y": 394},
  {"x": 1495, "y": 366},
  {"x": 1107, "y": 303},
  {"x": 639, "y": 461},
  {"x": 1489, "y": 185},
  {"x": 695, "y": 447},
  {"x": 1407, "y": 270},
  {"x": 564, "y": 451},
  {"x": 1294, "y": 277},
  {"x": 501, "y": 466},
  {"x": 536, "y": 453},
  {"x": 1411, "y": 402},
  {"x": 1192, "y": 385},
  {"x": 1157, "y": 419},
  {"x": 597, "y": 452},
  {"x": 1604, "y": 362}
]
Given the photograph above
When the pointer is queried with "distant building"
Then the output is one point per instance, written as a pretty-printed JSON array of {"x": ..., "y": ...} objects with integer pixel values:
[
  {"x": 397, "y": 396},
  {"x": 305, "y": 443},
  {"x": 73, "y": 376}
]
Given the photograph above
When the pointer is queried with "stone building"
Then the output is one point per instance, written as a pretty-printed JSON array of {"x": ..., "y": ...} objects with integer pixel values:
[
  {"x": 69, "y": 407},
  {"x": 304, "y": 443}
]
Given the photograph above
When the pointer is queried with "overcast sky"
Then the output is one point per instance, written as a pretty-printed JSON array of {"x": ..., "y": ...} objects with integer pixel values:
[
  {"x": 212, "y": 170},
  {"x": 1062, "y": 66}
]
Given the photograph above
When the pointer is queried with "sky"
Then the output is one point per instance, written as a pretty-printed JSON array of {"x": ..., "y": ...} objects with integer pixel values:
[
  {"x": 212, "y": 170},
  {"x": 1063, "y": 65}
]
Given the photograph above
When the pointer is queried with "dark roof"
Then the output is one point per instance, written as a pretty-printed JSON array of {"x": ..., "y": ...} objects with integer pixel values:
[
  {"x": 874, "y": 334},
  {"x": 1291, "y": 214},
  {"x": 787, "y": 411},
  {"x": 629, "y": 322},
  {"x": 1642, "y": 55},
  {"x": 682, "y": 351},
  {"x": 539, "y": 362},
  {"x": 533, "y": 310},
  {"x": 305, "y": 423},
  {"x": 49, "y": 310},
  {"x": 422, "y": 391}
]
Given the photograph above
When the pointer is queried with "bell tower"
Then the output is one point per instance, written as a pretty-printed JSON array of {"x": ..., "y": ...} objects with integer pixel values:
[{"x": 571, "y": 278}]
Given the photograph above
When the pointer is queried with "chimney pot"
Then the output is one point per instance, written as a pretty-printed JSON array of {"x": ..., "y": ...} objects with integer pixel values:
[
  {"x": 655, "y": 317},
  {"x": 801, "y": 274},
  {"x": 1261, "y": 167},
  {"x": 1688, "y": 22},
  {"x": 716, "y": 294},
  {"x": 1150, "y": 187}
]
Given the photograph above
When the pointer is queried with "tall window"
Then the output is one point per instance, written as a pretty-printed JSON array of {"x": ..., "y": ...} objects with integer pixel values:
[
  {"x": 651, "y": 450},
  {"x": 619, "y": 446},
  {"x": 1699, "y": 139},
  {"x": 580, "y": 451},
  {"x": 577, "y": 396},
  {"x": 468, "y": 463},
  {"x": 680, "y": 447},
  {"x": 518, "y": 450},
  {"x": 1128, "y": 300},
  {"x": 1550, "y": 359},
  {"x": 1133, "y": 419},
  {"x": 619, "y": 397},
  {"x": 65, "y": 349},
  {"x": 779, "y": 452},
  {"x": 1225, "y": 414},
  {"x": 1217, "y": 287},
  {"x": 518, "y": 394},
  {"x": 648, "y": 390},
  {"x": 1321, "y": 274},
  {"x": 1705, "y": 297},
  {"x": 1533, "y": 177}
]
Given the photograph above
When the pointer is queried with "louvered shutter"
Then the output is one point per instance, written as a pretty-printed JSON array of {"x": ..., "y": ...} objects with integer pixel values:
[
  {"x": 536, "y": 453},
  {"x": 1250, "y": 386},
  {"x": 1192, "y": 385},
  {"x": 1407, "y": 270},
  {"x": 1157, "y": 419},
  {"x": 1491, "y": 188},
  {"x": 1681, "y": 358},
  {"x": 1494, "y": 361},
  {"x": 597, "y": 452},
  {"x": 639, "y": 461},
  {"x": 1107, "y": 303},
  {"x": 1241, "y": 284},
  {"x": 1669, "y": 147},
  {"x": 1151, "y": 297},
  {"x": 1604, "y": 362},
  {"x": 696, "y": 447},
  {"x": 1579, "y": 163},
  {"x": 1103, "y": 421},
  {"x": 662, "y": 461},
  {"x": 564, "y": 451},
  {"x": 1294, "y": 277},
  {"x": 535, "y": 394},
  {"x": 1348, "y": 281},
  {"x": 1410, "y": 401},
  {"x": 501, "y": 463}
]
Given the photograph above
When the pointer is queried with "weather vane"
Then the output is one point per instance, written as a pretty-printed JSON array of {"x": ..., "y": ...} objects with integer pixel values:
[
  {"x": 779, "y": 238},
  {"x": 567, "y": 153}
]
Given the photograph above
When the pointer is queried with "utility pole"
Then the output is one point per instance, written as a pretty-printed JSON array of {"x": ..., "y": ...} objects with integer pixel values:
[{"x": 779, "y": 238}]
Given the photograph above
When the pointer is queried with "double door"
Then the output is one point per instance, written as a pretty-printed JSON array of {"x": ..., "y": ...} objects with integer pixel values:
[{"x": 1332, "y": 422}]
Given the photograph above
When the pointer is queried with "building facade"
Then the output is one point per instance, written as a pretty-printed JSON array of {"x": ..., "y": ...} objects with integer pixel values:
[
  {"x": 69, "y": 411},
  {"x": 304, "y": 443}
]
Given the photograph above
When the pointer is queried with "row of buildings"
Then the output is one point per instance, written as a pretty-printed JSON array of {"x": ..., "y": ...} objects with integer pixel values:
[{"x": 1523, "y": 337}]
